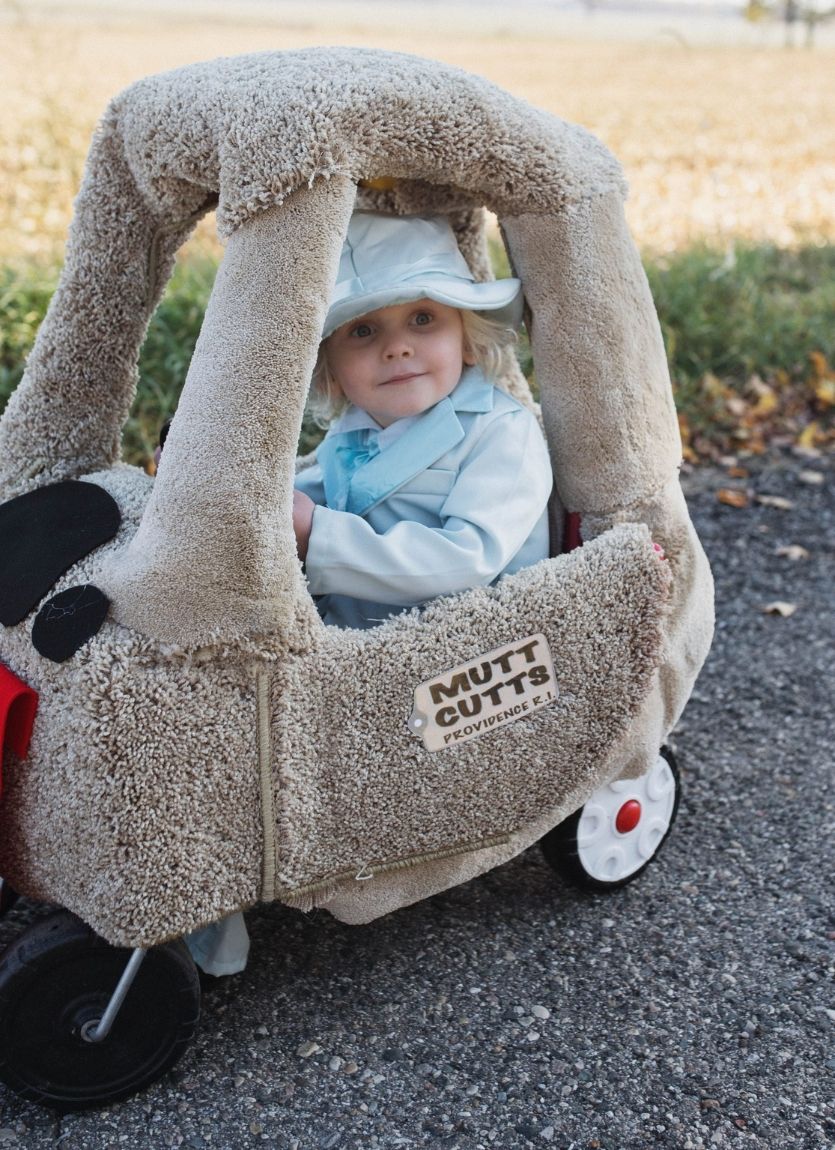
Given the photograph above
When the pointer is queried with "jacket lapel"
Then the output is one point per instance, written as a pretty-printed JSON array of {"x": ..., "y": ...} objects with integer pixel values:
[
  {"x": 436, "y": 432},
  {"x": 429, "y": 437}
]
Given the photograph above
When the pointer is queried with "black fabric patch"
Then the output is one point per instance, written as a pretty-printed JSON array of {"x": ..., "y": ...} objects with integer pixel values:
[
  {"x": 68, "y": 620},
  {"x": 45, "y": 531}
]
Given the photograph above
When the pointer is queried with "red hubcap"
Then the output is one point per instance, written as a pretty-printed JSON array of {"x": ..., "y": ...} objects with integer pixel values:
[{"x": 628, "y": 817}]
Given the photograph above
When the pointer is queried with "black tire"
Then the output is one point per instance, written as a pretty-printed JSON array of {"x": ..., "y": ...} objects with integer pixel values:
[
  {"x": 562, "y": 853},
  {"x": 59, "y": 975}
]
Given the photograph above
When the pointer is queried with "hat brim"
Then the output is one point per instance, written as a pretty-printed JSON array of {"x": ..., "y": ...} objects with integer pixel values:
[{"x": 502, "y": 298}]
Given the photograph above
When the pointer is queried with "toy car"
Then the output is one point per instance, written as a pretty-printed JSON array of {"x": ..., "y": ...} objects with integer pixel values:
[{"x": 202, "y": 741}]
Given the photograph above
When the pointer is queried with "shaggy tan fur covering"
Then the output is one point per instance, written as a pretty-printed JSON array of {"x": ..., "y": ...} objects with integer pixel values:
[
  {"x": 215, "y": 743},
  {"x": 140, "y": 805},
  {"x": 373, "y": 794}
]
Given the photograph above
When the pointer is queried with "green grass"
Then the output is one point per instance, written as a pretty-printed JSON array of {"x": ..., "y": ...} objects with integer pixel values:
[
  {"x": 24, "y": 298},
  {"x": 755, "y": 310},
  {"x": 166, "y": 354}
]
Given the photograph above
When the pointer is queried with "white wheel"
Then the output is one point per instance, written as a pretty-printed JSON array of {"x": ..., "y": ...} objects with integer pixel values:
[{"x": 619, "y": 829}]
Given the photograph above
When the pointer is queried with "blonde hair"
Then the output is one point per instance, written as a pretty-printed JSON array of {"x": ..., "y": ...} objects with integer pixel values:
[{"x": 485, "y": 341}]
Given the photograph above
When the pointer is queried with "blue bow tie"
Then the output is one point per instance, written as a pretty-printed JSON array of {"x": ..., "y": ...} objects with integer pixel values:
[{"x": 340, "y": 457}]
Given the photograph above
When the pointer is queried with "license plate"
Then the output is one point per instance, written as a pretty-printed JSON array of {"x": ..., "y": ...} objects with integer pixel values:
[{"x": 489, "y": 691}]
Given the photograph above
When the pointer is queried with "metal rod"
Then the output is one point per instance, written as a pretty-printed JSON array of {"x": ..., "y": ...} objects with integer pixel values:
[{"x": 101, "y": 1031}]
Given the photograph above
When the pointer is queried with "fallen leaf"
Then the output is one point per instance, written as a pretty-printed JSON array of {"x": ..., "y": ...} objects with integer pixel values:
[
  {"x": 687, "y": 451},
  {"x": 814, "y": 478},
  {"x": 736, "y": 472},
  {"x": 820, "y": 367},
  {"x": 732, "y": 496},
  {"x": 703, "y": 447},
  {"x": 825, "y": 392},
  {"x": 793, "y": 551},
  {"x": 766, "y": 404},
  {"x": 775, "y": 501},
  {"x": 778, "y": 607},
  {"x": 809, "y": 436},
  {"x": 713, "y": 387}
]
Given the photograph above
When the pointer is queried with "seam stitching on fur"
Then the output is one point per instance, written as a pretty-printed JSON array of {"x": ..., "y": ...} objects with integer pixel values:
[
  {"x": 287, "y": 893},
  {"x": 264, "y": 756}
]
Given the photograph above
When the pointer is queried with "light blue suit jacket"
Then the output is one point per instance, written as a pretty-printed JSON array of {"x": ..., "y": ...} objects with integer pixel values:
[{"x": 436, "y": 503}]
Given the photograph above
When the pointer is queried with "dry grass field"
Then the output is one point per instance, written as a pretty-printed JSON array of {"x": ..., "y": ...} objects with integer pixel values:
[
  {"x": 717, "y": 142},
  {"x": 729, "y": 152}
]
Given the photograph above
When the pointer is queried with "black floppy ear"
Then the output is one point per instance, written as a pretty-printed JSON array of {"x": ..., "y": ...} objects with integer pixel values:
[
  {"x": 67, "y": 620},
  {"x": 45, "y": 531}
]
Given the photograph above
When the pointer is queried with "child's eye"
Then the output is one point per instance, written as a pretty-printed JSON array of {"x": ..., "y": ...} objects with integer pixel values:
[
  {"x": 362, "y": 330},
  {"x": 423, "y": 317}
]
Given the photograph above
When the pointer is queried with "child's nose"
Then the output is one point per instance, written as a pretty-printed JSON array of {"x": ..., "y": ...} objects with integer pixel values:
[{"x": 398, "y": 346}]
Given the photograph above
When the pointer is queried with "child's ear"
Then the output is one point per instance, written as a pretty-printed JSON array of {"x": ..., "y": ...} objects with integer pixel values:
[{"x": 469, "y": 357}]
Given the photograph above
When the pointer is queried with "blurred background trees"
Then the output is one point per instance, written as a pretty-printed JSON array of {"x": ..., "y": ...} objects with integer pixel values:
[{"x": 795, "y": 14}]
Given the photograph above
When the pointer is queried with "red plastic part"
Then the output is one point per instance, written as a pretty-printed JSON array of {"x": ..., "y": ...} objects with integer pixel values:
[
  {"x": 572, "y": 536},
  {"x": 628, "y": 817},
  {"x": 18, "y": 704}
]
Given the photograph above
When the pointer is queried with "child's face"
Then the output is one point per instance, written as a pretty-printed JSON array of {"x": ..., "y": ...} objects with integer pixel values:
[{"x": 400, "y": 360}]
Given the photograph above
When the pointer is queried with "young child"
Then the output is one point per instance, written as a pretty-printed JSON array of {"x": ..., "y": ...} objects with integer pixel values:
[{"x": 431, "y": 479}]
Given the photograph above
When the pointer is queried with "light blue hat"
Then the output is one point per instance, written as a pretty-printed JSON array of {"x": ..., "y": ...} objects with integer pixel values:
[{"x": 396, "y": 259}]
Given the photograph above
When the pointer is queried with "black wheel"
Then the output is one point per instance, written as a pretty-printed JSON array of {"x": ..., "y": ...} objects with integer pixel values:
[
  {"x": 617, "y": 832},
  {"x": 55, "y": 982}
]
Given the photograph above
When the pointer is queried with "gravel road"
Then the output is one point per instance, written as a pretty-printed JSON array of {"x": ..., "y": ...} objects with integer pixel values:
[{"x": 689, "y": 1010}]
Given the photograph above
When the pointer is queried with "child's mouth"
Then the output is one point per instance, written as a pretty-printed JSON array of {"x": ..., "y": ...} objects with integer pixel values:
[{"x": 402, "y": 378}]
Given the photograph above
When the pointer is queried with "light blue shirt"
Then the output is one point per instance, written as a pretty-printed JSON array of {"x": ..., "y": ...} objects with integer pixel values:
[{"x": 436, "y": 503}]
